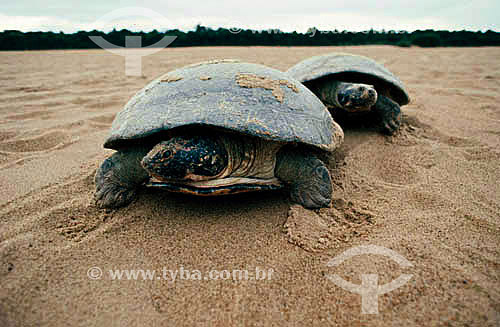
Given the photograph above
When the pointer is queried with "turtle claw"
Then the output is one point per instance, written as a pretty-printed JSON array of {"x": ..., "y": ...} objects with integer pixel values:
[
  {"x": 389, "y": 115},
  {"x": 308, "y": 177},
  {"x": 391, "y": 127},
  {"x": 113, "y": 196},
  {"x": 317, "y": 192},
  {"x": 118, "y": 178}
]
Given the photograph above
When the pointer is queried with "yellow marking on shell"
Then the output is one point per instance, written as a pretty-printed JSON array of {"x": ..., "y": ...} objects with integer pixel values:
[
  {"x": 205, "y": 78},
  {"x": 219, "y": 186},
  {"x": 254, "y": 81},
  {"x": 290, "y": 85},
  {"x": 168, "y": 79},
  {"x": 213, "y": 62},
  {"x": 221, "y": 182}
]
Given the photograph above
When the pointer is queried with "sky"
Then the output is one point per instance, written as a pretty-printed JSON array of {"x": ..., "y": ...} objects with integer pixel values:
[{"x": 352, "y": 15}]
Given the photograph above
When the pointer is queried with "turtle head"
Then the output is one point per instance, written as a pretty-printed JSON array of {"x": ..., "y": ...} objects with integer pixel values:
[
  {"x": 356, "y": 97},
  {"x": 187, "y": 158}
]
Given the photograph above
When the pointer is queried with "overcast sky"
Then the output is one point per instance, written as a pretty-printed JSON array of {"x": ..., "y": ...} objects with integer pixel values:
[{"x": 68, "y": 16}]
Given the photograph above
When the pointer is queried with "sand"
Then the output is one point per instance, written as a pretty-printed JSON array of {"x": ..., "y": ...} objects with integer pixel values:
[{"x": 430, "y": 193}]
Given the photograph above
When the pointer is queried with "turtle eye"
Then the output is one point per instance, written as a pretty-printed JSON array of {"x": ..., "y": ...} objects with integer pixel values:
[{"x": 342, "y": 99}]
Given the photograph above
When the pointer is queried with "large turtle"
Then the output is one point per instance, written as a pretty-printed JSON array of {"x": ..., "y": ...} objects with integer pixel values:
[
  {"x": 216, "y": 128},
  {"x": 354, "y": 84}
]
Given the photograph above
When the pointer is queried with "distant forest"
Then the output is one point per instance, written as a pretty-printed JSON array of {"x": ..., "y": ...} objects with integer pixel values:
[{"x": 203, "y": 36}]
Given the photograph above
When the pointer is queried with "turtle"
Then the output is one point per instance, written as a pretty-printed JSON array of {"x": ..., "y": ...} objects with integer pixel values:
[
  {"x": 355, "y": 85},
  {"x": 220, "y": 127}
]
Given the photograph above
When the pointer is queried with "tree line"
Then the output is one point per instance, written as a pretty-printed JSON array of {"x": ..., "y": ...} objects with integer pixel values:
[{"x": 204, "y": 36}]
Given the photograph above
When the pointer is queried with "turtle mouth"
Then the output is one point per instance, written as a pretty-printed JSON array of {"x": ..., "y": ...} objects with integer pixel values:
[{"x": 357, "y": 109}]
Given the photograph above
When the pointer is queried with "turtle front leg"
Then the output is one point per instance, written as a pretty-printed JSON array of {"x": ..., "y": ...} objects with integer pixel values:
[
  {"x": 307, "y": 176},
  {"x": 388, "y": 114},
  {"x": 118, "y": 178},
  {"x": 350, "y": 97}
]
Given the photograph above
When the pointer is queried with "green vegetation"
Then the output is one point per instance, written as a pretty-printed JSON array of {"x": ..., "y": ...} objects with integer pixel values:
[
  {"x": 426, "y": 40},
  {"x": 203, "y": 36}
]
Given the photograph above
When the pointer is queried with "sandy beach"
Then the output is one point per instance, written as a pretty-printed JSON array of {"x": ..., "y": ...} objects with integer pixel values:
[{"x": 431, "y": 193}]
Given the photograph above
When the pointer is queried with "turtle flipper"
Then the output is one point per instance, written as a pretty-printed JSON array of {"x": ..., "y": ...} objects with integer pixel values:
[
  {"x": 307, "y": 176},
  {"x": 388, "y": 114},
  {"x": 118, "y": 178}
]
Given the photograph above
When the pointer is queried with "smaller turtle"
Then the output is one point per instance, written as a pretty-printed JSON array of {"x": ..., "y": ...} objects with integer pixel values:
[
  {"x": 356, "y": 85},
  {"x": 217, "y": 128}
]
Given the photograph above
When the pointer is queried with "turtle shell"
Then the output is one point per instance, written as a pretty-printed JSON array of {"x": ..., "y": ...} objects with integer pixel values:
[
  {"x": 350, "y": 68},
  {"x": 220, "y": 187},
  {"x": 241, "y": 97}
]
